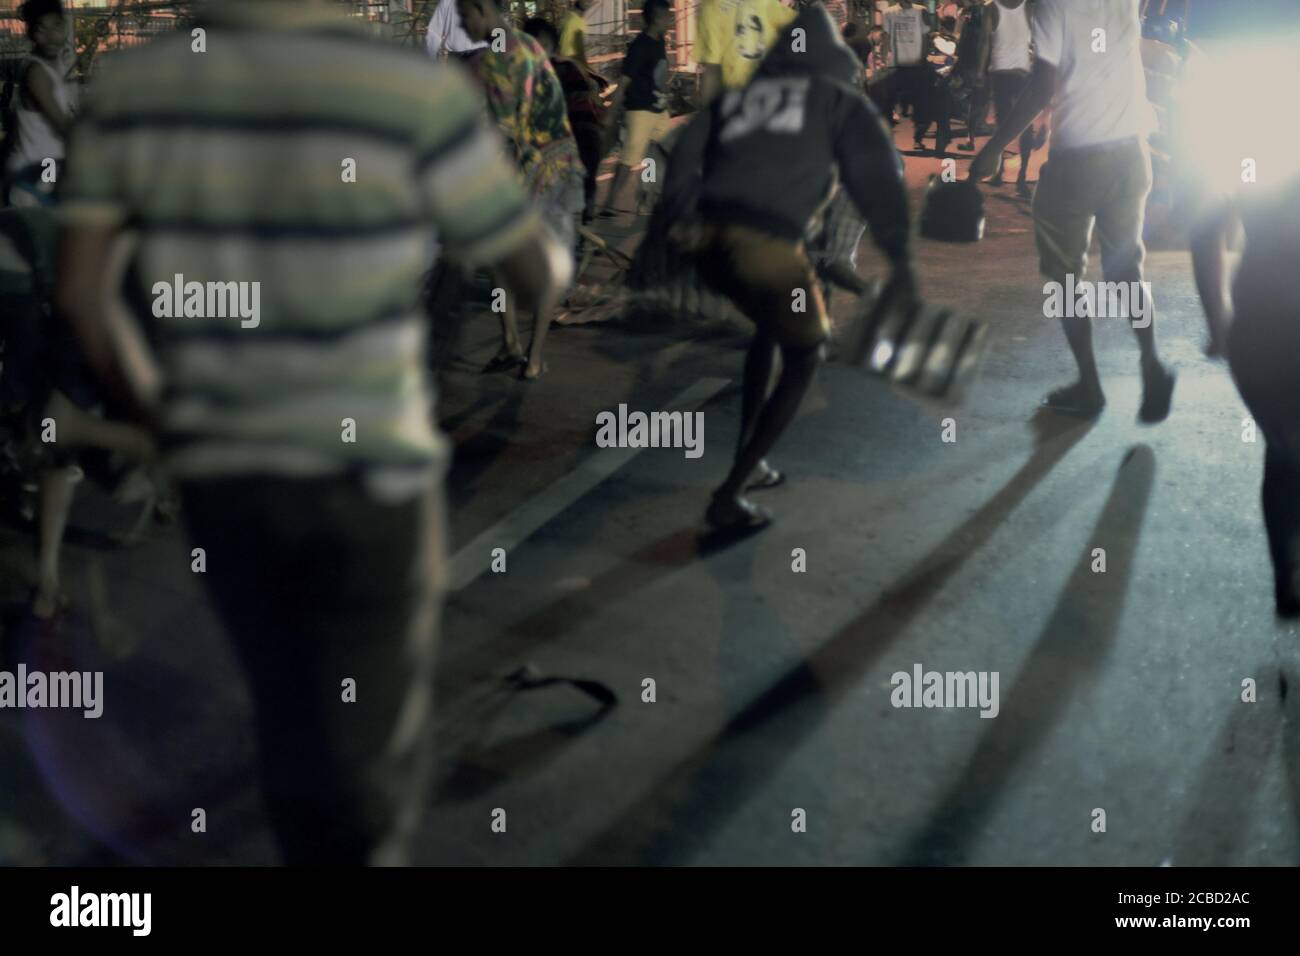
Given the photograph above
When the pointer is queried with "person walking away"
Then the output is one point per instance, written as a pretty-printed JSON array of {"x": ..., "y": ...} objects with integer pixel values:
[
  {"x": 1098, "y": 174},
  {"x": 301, "y": 424}
]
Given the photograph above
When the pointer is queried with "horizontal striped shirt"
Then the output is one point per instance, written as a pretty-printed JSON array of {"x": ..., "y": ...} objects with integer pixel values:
[{"x": 287, "y": 186}]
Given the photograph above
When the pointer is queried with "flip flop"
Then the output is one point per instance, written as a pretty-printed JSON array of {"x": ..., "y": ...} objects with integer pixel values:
[
  {"x": 525, "y": 377},
  {"x": 1157, "y": 398},
  {"x": 1068, "y": 405},
  {"x": 746, "y": 515},
  {"x": 504, "y": 363},
  {"x": 772, "y": 478}
]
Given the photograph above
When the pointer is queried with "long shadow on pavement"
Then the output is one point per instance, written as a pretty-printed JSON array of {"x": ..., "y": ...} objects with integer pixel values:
[
  {"x": 1067, "y": 656},
  {"x": 1213, "y": 830},
  {"x": 670, "y": 824}
]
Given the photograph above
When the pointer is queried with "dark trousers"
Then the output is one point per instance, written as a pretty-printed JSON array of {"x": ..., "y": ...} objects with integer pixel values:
[
  {"x": 1263, "y": 352},
  {"x": 1007, "y": 86},
  {"x": 933, "y": 107},
  {"x": 316, "y": 584},
  {"x": 907, "y": 85},
  {"x": 588, "y": 137},
  {"x": 979, "y": 108}
]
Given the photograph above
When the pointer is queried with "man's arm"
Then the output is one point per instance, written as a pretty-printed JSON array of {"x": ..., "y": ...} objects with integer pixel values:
[
  {"x": 1210, "y": 265},
  {"x": 872, "y": 174},
  {"x": 84, "y": 289},
  {"x": 1037, "y": 96}
]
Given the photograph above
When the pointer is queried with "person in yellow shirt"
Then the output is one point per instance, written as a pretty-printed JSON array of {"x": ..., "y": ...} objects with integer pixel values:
[
  {"x": 573, "y": 32},
  {"x": 732, "y": 37}
]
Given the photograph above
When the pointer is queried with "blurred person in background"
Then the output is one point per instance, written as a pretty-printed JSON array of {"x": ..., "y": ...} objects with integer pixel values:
[
  {"x": 582, "y": 99},
  {"x": 643, "y": 97},
  {"x": 447, "y": 36},
  {"x": 573, "y": 32},
  {"x": 732, "y": 37},
  {"x": 525, "y": 99},
  {"x": 41, "y": 112}
]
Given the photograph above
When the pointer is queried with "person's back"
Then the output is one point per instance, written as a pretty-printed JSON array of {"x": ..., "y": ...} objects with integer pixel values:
[
  {"x": 284, "y": 187},
  {"x": 527, "y": 102},
  {"x": 270, "y": 169},
  {"x": 771, "y": 159},
  {"x": 1101, "y": 90}
]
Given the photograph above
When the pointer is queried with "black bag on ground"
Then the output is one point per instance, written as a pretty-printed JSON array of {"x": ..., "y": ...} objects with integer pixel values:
[{"x": 953, "y": 212}]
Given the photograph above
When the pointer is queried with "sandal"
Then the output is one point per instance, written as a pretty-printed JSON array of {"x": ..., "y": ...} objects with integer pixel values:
[
  {"x": 504, "y": 362},
  {"x": 736, "y": 514},
  {"x": 770, "y": 478}
]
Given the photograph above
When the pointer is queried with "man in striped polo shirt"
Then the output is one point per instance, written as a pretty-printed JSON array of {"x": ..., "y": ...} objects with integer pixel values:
[{"x": 286, "y": 185}]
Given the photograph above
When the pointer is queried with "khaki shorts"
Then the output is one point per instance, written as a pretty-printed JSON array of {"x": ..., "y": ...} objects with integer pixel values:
[
  {"x": 1106, "y": 185},
  {"x": 641, "y": 128},
  {"x": 762, "y": 275}
]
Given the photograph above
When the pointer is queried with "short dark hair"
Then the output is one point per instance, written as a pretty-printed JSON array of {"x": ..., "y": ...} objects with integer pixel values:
[
  {"x": 649, "y": 7},
  {"x": 33, "y": 10},
  {"x": 541, "y": 27}
]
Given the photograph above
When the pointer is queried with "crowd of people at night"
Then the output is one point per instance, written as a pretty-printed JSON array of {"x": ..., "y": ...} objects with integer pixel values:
[{"x": 233, "y": 165}]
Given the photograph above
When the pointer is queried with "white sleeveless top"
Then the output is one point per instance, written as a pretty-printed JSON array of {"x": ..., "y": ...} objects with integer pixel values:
[
  {"x": 1010, "y": 40},
  {"x": 36, "y": 139}
]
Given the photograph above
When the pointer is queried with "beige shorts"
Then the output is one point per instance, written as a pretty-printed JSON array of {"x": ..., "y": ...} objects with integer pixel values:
[
  {"x": 1105, "y": 187},
  {"x": 641, "y": 128}
]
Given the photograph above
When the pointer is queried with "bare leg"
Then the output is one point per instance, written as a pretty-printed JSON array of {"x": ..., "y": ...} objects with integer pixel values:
[
  {"x": 510, "y": 346},
  {"x": 757, "y": 383},
  {"x": 1085, "y": 396},
  {"x": 82, "y": 429},
  {"x": 617, "y": 187},
  {"x": 56, "y": 501},
  {"x": 797, "y": 369},
  {"x": 541, "y": 325}
]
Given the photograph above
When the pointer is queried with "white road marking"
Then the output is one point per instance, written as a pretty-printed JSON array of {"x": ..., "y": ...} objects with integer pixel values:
[{"x": 517, "y": 526}]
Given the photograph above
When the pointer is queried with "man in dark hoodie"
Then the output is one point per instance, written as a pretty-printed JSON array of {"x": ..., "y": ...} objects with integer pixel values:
[{"x": 766, "y": 156}]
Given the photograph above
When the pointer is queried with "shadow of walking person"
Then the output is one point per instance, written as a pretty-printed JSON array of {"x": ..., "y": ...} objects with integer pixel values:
[{"x": 1066, "y": 658}]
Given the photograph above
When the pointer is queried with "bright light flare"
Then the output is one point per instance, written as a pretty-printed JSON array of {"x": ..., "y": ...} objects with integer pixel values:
[{"x": 1232, "y": 109}]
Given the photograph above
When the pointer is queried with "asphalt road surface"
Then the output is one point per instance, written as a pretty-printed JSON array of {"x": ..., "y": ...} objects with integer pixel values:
[{"x": 1118, "y": 691}]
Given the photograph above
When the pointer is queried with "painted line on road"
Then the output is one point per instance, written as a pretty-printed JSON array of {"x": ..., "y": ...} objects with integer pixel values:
[{"x": 517, "y": 526}]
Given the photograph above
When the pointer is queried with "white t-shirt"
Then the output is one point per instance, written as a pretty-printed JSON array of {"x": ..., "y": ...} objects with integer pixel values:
[
  {"x": 906, "y": 29},
  {"x": 1095, "y": 46},
  {"x": 445, "y": 32},
  {"x": 1010, "y": 49}
]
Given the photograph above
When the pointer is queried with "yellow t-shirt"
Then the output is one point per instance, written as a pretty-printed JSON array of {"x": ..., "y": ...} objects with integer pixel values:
[
  {"x": 736, "y": 35},
  {"x": 573, "y": 36}
]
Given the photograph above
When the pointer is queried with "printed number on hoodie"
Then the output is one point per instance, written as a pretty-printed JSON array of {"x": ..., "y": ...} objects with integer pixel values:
[{"x": 775, "y": 106}]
